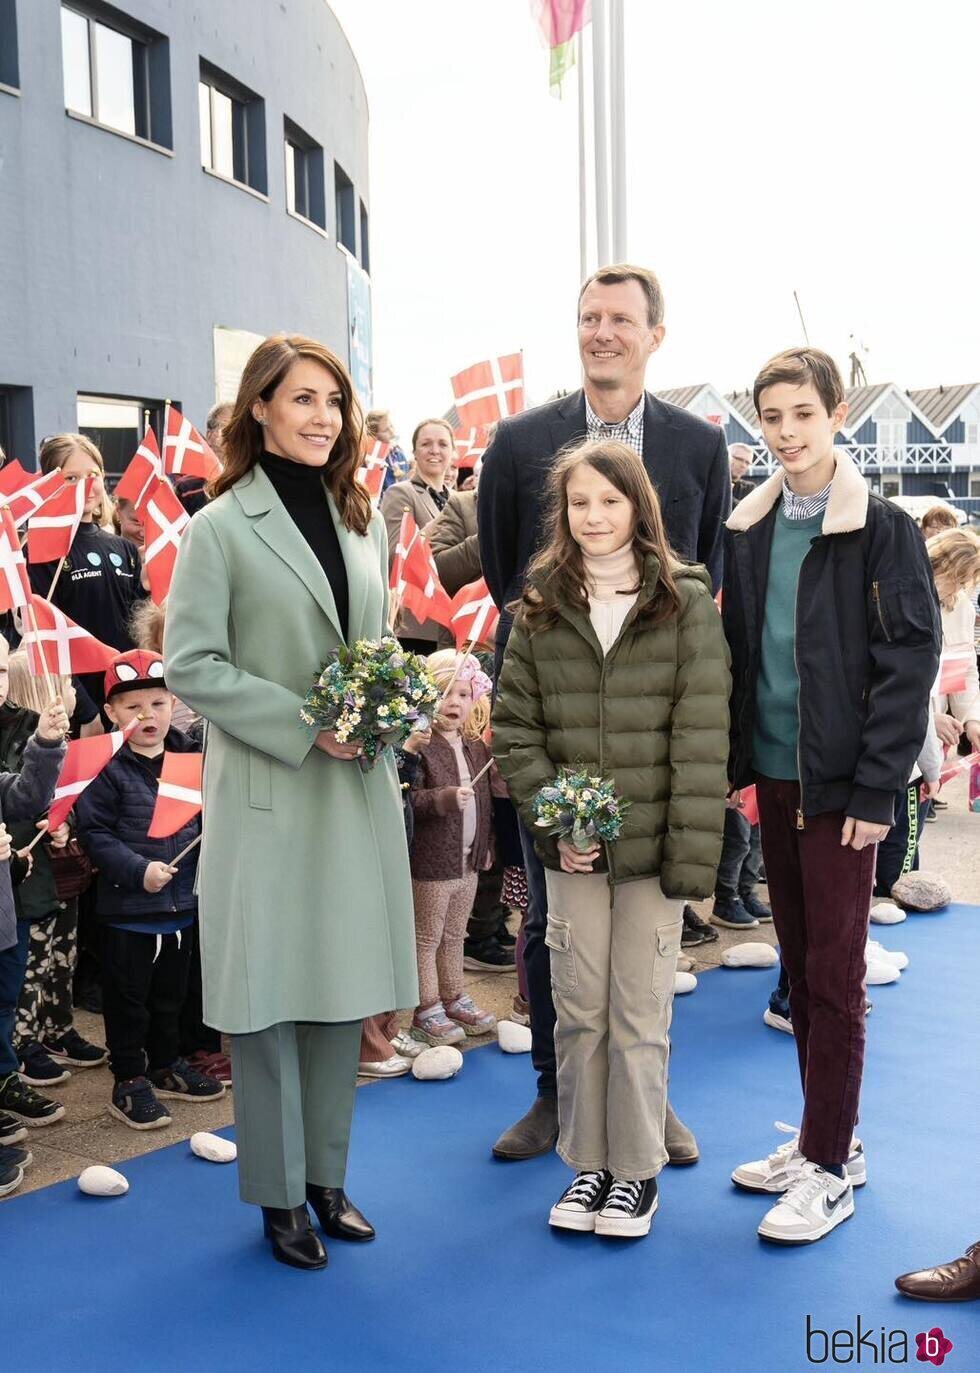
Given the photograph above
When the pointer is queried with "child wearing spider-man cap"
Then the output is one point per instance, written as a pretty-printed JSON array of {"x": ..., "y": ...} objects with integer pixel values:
[{"x": 145, "y": 901}]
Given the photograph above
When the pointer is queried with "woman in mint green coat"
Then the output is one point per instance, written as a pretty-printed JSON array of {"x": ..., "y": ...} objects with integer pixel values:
[{"x": 304, "y": 888}]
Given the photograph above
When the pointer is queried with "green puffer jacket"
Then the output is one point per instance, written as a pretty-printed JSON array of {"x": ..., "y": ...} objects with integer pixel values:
[{"x": 652, "y": 717}]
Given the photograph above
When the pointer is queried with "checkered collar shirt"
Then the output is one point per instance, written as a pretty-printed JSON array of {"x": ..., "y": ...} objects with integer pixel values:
[
  {"x": 629, "y": 430},
  {"x": 802, "y": 507}
]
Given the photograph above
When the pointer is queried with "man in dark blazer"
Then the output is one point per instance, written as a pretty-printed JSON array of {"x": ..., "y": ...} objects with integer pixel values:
[{"x": 620, "y": 325}]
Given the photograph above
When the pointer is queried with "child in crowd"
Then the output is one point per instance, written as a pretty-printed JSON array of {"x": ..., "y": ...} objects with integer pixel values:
[
  {"x": 451, "y": 846},
  {"x": 24, "y": 795},
  {"x": 954, "y": 556},
  {"x": 616, "y": 661},
  {"x": 832, "y": 620},
  {"x": 146, "y": 903},
  {"x": 45, "y": 1037}
]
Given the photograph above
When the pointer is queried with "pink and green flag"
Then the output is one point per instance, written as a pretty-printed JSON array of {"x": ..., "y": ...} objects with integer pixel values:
[{"x": 559, "y": 22}]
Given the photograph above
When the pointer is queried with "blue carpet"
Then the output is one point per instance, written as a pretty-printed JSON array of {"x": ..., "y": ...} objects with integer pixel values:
[{"x": 466, "y": 1273}]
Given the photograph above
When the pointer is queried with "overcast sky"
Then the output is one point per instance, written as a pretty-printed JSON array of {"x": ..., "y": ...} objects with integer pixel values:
[{"x": 829, "y": 149}]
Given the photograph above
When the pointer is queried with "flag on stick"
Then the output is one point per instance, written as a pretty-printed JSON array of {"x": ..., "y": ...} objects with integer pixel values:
[
  {"x": 474, "y": 617},
  {"x": 179, "y": 797},
  {"x": 425, "y": 595},
  {"x": 27, "y": 501},
  {"x": 186, "y": 453},
  {"x": 407, "y": 534},
  {"x": 15, "y": 586},
  {"x": 51, "y": 531},
  {"x": 13, "y": 477},
  {"x": 749, "y": 805},
  {"x": 372, "y": 472},
  {"x": 165, "y": 520},
  {"x": 489, "y": 391},
  {"x": 54, "y": 643},
  {"x": 953, "y": 672},
  {"x": 559, "y": 22},
  {"x": 141, "y": 476},
  {"x": 84, "y": 760}
]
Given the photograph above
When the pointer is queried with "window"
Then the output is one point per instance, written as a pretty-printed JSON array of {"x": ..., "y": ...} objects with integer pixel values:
[
  {"x": 891, "y": 486},
  {"x": 344, "y": 193},
  {"x": 365, "y": 250},
  {"x": 232, "y": 130},
  {"x": 975, "y": 483},
  {"x": 971, "y": 433},
  {"x": 891, "y": 434},
  {"x": 17, "y": 423},
  {"x": 116, "y": 426},
  {"x": 117, "y": 76},
  {"x": 9, "y": 75},
  {"x": 304, "y": 176}
]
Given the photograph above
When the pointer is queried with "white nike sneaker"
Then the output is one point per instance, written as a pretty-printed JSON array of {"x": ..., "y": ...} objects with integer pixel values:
[
  {"x": 781, "y": 1169},
  {"x": 880, "y": 954},
  {"x": 816, "y": 1203}
]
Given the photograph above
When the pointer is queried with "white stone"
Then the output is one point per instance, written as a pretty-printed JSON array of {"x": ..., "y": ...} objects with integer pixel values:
[
  {"x": 887, "y": 913},
  {"x": 514, "y": 1038},
  {"x": 99, "y": 1181},
  {"x": 684, "y": 982},
  {"x": 875, "y": 952},
  {"x": 880, "y": 972},
  {"x": 752, "y": 954},
  {"x": 213, "y": 1147},
  {"x": 439, "y": 1062}
]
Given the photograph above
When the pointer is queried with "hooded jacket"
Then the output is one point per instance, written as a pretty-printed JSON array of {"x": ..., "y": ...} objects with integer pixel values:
[
  {"x": 867, "y": 644},
  {"x": 651, "y": 716}
]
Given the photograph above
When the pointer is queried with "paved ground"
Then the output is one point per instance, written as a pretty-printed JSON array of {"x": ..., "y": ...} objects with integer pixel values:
[{"x": 88, "y": 1134}]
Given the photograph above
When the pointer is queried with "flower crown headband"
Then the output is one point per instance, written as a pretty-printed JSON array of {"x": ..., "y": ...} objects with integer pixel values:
[{"x": 472, "y": 672}]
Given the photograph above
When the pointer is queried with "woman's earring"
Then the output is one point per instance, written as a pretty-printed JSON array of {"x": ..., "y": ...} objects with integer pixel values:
[{"x": 263, "y": 422}]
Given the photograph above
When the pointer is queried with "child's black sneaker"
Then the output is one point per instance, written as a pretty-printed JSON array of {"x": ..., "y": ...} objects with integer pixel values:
[
  {"x": 38, "y": 1069},
  {"x": 27, "y": 1105},
  {"x": 11, "y": 1131},
  {"x": 15, "y": 1158},
  {"x": 187, "y": 1083},
  {"x": 487, "y": 956},
  {"x": 71, "y": 1049},
  {"x": 135, "y": 1104},
  {"x": 11, "y": 1174},
  {"x": 755, "y": 907},
  {"x": 628, "y": 1209}
]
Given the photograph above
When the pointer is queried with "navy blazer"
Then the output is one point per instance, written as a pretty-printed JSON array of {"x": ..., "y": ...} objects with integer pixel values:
[{"x": 686, "y": 457}]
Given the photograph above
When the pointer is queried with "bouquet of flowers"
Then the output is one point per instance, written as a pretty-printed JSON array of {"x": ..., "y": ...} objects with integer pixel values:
[
  {"x": 375, "y": 693},
  {"x": 580, "y": 808}
]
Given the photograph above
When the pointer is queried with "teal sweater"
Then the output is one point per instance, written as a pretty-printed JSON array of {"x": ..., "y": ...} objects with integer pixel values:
[{"x": 777, "y": 710}]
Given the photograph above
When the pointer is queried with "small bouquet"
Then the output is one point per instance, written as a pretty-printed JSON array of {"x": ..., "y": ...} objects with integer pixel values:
[
  {"x": 375, "y": 693},
  {"x": 580, "y": 808}
]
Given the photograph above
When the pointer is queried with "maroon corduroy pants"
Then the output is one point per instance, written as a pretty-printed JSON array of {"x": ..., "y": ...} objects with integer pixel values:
[{"x": 821, "y": 895}]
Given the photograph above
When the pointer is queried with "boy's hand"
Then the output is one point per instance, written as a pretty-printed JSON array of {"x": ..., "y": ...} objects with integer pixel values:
[
  {"x": 858, "y": 834},
  {"x": 53, "y": 722},
  {"x": 6, "y": 848},
  {"x": 573, "y": 859},
  {"x": 157, "y": 876},
  {"x": 734, "y": 801},
  {"x": 948, "y": 728},
  {"x": 464, "y": 795},
  {"x": 930, "y": 790},
  {"x": 59, "y": 837},
  {"x": 417, "y": 740}
]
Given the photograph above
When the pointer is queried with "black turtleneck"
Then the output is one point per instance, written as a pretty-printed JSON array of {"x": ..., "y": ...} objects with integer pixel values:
[{"x": 301, "y": 490}]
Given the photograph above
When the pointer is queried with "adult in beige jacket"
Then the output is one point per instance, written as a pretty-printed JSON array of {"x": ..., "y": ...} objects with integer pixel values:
[{"x": 423, "y": 495}]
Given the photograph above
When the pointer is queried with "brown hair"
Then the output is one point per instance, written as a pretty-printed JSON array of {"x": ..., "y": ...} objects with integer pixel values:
[
  {"x": 797, "y": 367},
  {"x": 243, "y": 442},
  {"x": 146, "y": 624},
  {"x": 558, "y": 571},
  {"x": 955, "y": 554},
  {"x": 619, "y": 272},
  {"x": 941, "y": 516},
  {"x": 55, "y": 452},
  {"x": 435, "y": 420},
  {"x": 372, "y": 419}
]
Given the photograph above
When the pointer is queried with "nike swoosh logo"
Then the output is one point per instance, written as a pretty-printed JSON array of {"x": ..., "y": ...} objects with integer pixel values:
[{"x": 829, "y": 1209}]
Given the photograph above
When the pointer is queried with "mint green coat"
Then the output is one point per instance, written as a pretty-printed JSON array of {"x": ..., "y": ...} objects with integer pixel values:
[{"x": 304, "y": 887}]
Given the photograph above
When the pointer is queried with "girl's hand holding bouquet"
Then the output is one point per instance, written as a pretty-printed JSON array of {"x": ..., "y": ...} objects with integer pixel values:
[{"x": 582, "y": 811}]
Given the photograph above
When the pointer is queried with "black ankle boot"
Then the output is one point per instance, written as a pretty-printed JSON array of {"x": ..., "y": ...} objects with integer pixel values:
[
  {"x": 338, "y": 1216},
  {"x": 293, "y": 1239}
]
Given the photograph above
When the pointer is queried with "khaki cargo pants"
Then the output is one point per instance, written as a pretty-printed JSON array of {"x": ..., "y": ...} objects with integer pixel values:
[{"x": 612, "y": 973}]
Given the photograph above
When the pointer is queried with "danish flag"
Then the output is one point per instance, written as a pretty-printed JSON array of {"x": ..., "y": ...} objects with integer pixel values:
[
  {"x": 15, "y": 587},
  {"x": 489, "y": 391},
  {"x": 953, "y": 671},
  {"x": 141, "y": 476},
  {"x": 408, "y": 533},
  {"x": 471, "y": 443},
  {"x": 13, "y": 477},
  {"x": 372, "y": 473},
  {"x": 84, "y": 760},
  {"x": 424, "y": 594},
  {"x": 179, "y": 797},
  {"x": 51, "y": 531},
  {"x": 61, "y": 646},
  {"x": 186, "y": 453},
  {"x": 749, "y": 804},
  {"x": 165, "y": 520},
  {"x": 29, "y": 499},
  {"x": 474, "y": 616}
]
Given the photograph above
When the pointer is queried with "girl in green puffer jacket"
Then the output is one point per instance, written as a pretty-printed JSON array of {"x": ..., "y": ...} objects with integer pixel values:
[{"x": 617, "y": 661}]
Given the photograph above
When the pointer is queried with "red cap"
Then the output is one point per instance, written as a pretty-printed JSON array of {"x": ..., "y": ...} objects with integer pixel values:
[{"x": 133, "y": 671}]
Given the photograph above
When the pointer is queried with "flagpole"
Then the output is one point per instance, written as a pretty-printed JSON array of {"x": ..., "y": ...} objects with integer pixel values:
[
  {"x": 600, "y": 135},
  {"x": 37, "y": 838},
  {"x": 54, "y": 579},
  {"x": 583, "y": 218},
  {"x": 48, "y": 679},
  {"x": 463, "y": 653},
  {"x": 617, "y": 103},
  {"x": 486, "y": 768},
  {"x": 184, "y": 852}
]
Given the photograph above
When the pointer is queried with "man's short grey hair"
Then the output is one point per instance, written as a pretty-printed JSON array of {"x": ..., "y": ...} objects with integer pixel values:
[
  {"x": 214, "y": 414},
  {"x": 740, "y": 450}
]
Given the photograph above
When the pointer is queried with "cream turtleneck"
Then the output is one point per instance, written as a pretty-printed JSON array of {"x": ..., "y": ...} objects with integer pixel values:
[{"x": 607, "y": 576}]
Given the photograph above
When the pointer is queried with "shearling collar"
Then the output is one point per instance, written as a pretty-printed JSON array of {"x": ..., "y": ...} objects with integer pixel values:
[{"x": 847, "y": 509}]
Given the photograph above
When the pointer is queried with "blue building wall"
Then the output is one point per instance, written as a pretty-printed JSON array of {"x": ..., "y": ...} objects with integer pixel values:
[
  {"x": 736, "y": 432},
  {"x": 955, "y": 432},
  {"x": 117, "y": 261},
  {"x": 918, "y": 433}
]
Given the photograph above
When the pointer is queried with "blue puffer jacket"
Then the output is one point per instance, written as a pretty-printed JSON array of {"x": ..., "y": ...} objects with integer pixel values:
[{"x": 113, "y": 816}]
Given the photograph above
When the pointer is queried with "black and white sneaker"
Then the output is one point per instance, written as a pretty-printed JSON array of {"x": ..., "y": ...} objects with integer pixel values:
[
  {"x": 11, "y": 1176},
  {"x": 11, "y": 1130},
  {"x": 72, "y": 1049},
  {"x": 629, "y": 1208},
  {"x": 578, "y": 1205},
  {"x": 182, "y": 1081},
  {"x": 15, "y": 1158},
  {"x": 27, "y": 1105},
  {"x": 815, "y": 1203},
  {"x": 38, "y": 1069},
  {"x": 134, "y": 1103}
]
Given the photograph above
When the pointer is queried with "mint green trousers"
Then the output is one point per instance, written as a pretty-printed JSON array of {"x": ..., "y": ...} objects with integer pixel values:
[{"x": 294, "y": 1089}]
